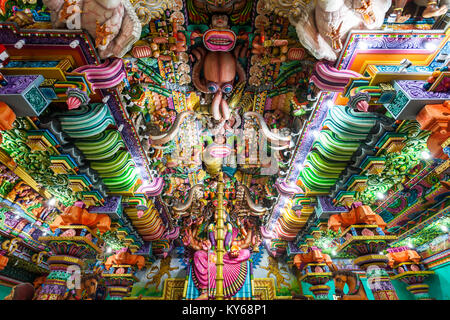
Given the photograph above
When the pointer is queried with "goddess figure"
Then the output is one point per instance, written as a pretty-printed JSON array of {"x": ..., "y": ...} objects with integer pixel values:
[{"x": 235, "y": 267}]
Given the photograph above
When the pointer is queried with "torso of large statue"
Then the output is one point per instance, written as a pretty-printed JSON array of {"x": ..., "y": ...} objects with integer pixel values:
[{"x": 205, "y": 258}]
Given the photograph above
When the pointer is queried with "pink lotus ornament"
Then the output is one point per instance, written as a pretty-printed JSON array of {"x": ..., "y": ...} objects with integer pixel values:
[
  {"x": 140, "y": 213},
  {"x": 362, "y": 106},
  {"x": 73, "y": 103}
]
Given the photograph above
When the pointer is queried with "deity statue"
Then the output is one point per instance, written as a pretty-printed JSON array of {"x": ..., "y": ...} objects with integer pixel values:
[{"x": 235, "y": 259}]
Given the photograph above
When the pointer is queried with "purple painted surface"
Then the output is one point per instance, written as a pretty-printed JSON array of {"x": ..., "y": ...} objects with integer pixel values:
[
  {"x": 144, "y": 249},
  {"x": 17, "y": 84},
  {"x": 378, "y": 41},
  {"x": 110, "y": 206},
  {"x": 11, "y": 219},
  {"x": 9, "y": 34},
  {"x": 327, "y": 205},
  {"x": 414, "y": 89},
  {"x": 293, "y": 249}
]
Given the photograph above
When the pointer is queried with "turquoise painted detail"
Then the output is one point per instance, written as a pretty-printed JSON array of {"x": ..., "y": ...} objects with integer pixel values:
[
  {"x": 307, "y": 292},
  {"x": 440, "y": 282},
  {"x": 36, "y": 100},
  {"x": 4, "y": 291}
]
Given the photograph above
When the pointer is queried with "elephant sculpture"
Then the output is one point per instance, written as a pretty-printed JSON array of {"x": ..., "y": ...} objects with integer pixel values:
[
  {"x": 313, "y": 255},
  {"x": 124, "y": 257},
  {"x": 218, "y": 65},
  {"x": 78, "y": 215},
  {"x": 357, "y": 215},
  {"x": 402, "y": 254},
  {"x": 112, "y": 23},
  {"x": 322, "y": 25}
]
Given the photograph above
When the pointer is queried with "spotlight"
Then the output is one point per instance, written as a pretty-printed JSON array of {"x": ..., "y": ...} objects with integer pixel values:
[
  {"x": 108, "y": 250},
  {"x": 316, "y": 133},
  {"x": 380, "y": 196},
  {"x": 138, "y": 170},
  {"x": 52, "y": 202},
  {"x": 333, "y": 253},
  {"x": 430, "y": 46},
  {"x": 425, "y": 155},
  {"x": 444, "y": 228},
  {"x": 363, "y": 45},
  {"x": 410, "y": 245},
  {"x": 329, "y": 103}
]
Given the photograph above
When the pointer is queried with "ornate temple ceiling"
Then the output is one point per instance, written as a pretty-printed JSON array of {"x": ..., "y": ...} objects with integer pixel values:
[{"x": 138, "y": 119}]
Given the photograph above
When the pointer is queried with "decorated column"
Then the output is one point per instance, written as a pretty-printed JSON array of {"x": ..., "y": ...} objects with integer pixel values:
[
  {"x": 407, "y": 268},
  {"x": 364, "y": 239},
  {"x": 74, "y": 242},
  {"x": 119, "y": 273},
  {"x": 220, "y": 239},
  {"x": 314, "y": 268}
]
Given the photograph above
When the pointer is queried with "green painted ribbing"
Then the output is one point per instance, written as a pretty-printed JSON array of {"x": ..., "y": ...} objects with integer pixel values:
[
  {"x": 86, "y": 121},
  {"x": 325, "y": 165},
  {"x": 124, "y": 182},
  {"x": 347, "y": 124},
  {"x": 101, "y": 146},
  {"x": 333, "y": 146},
  {"x": 120, "y": 161},
  {"x": 312, "y": 182}
]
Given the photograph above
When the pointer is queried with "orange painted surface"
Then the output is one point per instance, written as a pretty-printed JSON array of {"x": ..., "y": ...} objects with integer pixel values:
[
  {"x": 7, "y": 117},
  {"x": 436, "y": 118}
]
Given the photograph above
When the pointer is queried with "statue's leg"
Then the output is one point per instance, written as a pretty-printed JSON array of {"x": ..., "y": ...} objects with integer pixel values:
[
  {"x": 433, "y": 10},
  {"x": 398, "y": 10}
]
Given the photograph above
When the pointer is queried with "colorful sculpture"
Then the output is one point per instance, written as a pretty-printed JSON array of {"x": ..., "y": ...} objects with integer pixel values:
[
  {"x": 436, "y": 118},
  {"x": 323, "y": 25},
  {"x": 3, "y": 262},
  {"x": 7, "y": 117},
  {"x": 313, "y": 255},
  {"x": 78, "y": 215},
  {"x": 406, "y": 255},
  {"x": 359, "y": 214},
  {"x": 112, "y": 23},
  {"x": 355, "y": 288},
  {"x": 218, "y": 65},
  {"x": 432, "y": 9},
  {"x": 124, "y": 257},
  {"x": 204, "y": 260},
  {"x": 87, "y": 289},
  {"x": 315, "y": 270},
  {"x": 407, "y": 267}
]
